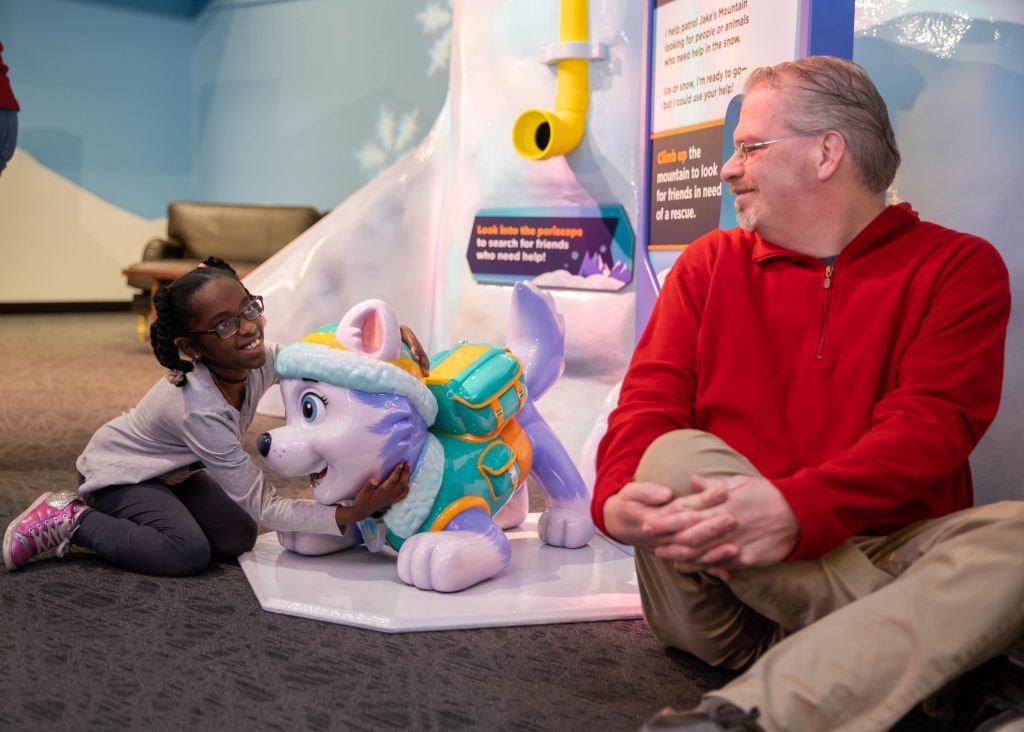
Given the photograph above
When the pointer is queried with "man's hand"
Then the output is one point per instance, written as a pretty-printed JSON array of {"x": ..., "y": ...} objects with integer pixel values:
[
  {"x": 746, "y": 523},
  {"x": 375, "y": 495},
  {"x": 626, "y": 511}
]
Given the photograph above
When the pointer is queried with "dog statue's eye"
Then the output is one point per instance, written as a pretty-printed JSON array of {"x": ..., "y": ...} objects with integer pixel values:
[{"x": 313, "y": 408}]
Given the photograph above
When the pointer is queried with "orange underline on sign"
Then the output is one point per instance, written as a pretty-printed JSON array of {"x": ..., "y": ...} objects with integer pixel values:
[
  {"x": 666, "y": 247},
  {"x": 694, "y": 128}
]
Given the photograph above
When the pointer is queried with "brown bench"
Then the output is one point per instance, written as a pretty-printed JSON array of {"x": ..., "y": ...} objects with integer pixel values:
[{"x": 243, "y": 235}]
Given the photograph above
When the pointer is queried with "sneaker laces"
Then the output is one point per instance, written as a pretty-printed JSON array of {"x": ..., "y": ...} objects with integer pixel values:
[{"x": 57, "y": 534}]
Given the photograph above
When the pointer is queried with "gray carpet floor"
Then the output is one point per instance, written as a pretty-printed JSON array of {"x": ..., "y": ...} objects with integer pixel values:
[{"x": 85, "y": 646}]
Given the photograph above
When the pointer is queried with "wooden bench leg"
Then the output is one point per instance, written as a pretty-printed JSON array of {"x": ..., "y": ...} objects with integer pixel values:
[{"x": 157, "y": 284}]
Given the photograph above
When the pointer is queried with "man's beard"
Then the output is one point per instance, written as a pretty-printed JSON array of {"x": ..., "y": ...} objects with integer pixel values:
[{"x": 747, "y": 218}]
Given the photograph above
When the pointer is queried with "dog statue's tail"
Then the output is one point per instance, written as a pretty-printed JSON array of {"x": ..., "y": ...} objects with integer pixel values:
[{"x": 536, "y": 335}]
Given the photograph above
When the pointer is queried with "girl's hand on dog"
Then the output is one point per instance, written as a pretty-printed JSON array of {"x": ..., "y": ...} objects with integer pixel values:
[
  {"x": 409, "y": 338},
  {"x": 375, "y": 495}
]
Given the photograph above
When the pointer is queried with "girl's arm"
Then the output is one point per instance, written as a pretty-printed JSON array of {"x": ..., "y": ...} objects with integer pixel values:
[{"x": 212, "y": 437}]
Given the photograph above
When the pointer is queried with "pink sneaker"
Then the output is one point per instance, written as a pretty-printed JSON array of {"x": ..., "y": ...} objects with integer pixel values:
[{"x": 48, "y": 523}]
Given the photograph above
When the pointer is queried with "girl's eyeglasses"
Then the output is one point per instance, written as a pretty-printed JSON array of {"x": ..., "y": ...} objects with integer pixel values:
[{"x": 229, "y": 326}]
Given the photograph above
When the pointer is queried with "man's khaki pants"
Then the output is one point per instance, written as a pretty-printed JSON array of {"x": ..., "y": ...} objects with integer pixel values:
[{"x": 850, "y": 641}]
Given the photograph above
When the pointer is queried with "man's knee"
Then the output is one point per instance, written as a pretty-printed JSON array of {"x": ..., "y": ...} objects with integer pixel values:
[
  {"x": 1004, "y": 516},
  {"x": 675, "y": 456},
  {"x": 994, "y": 524},
  {"x": 1012, "y": 511}
]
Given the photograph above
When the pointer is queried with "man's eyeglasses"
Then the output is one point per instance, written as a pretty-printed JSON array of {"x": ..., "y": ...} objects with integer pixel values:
[
  {"x": 229, "y": 326},
  {"x": 744, "y": 149}
]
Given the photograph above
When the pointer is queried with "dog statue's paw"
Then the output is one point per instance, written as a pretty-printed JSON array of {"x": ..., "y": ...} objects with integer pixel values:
[
  {"x": 565, "y": 527},
  {"x": 449, "y": 561},
  {"x": 314, "y": 545}
]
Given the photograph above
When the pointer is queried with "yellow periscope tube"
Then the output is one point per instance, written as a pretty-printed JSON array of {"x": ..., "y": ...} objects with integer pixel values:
[{"x": 539, "y": 135}]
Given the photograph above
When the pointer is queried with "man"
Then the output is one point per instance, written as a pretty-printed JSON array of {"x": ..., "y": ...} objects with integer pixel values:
[
  {"x": 789, "y": 453},
  {"x": 8, "y": 116}
]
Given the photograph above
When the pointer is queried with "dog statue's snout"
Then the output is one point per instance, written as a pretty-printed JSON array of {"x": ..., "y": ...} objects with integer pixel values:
[{"x": 263, "y": 444}]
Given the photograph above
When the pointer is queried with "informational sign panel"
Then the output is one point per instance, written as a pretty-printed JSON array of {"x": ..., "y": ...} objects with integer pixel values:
[
  {"x": 577, "y": 248},
  {"x": 700, "y": 53},
  {"x": 685, "y": 185}
]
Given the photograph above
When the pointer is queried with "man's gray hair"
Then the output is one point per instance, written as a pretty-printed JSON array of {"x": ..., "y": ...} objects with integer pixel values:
[{"x": 835, "y": 94}]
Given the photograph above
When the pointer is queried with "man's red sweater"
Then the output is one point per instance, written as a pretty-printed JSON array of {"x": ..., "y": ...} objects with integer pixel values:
[
  {"x": 7, "y": 100},
  {"x": 859, "y": 390}
]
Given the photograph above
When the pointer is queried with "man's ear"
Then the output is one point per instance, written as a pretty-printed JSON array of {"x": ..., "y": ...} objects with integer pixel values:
[{"x": 831, "y": 152}]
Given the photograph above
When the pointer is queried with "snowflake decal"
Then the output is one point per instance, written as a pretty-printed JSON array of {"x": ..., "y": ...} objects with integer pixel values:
[
  {"x": 436, "y": 19},
  {"x": 392, "y": 138}
]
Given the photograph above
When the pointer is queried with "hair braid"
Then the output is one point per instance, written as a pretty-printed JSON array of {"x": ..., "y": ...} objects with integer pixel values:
[{"x": 162, "y": 333}]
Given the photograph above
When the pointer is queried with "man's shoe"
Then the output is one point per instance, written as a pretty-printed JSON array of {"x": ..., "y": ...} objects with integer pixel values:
[
  {"x": 1011, "y": 720},
  {"x": 715, "y": 715},
  {"x": 47, "y": 524},
  {"x": 991, "y": 697}
]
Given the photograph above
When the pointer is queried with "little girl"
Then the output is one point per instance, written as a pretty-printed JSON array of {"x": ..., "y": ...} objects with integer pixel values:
[{"x": 167, "y": 486}]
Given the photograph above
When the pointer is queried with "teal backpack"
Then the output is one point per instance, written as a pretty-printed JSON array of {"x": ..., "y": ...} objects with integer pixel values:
[{"x": 479, "y": 390}]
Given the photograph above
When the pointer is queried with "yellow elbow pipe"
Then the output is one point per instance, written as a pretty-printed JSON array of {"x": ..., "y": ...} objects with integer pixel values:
[{"x": 539, "y": 134}]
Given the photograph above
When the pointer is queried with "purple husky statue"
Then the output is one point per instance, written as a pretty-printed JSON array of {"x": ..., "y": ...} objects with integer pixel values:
[{"x": 357, "y": 405}]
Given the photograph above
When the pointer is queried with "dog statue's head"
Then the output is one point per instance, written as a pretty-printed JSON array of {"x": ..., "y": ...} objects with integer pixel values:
[{"x": 355, "y": 404}]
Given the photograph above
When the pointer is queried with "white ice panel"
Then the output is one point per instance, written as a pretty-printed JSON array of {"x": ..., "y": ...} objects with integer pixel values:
[{"x": 541, "y": 585}]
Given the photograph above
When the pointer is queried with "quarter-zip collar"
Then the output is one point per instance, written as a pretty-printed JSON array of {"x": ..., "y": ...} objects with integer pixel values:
[{"x": 875, "y": 234}]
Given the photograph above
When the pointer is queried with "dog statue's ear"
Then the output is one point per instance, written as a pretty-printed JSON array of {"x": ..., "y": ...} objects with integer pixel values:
[{"x": 371, "y": 328}]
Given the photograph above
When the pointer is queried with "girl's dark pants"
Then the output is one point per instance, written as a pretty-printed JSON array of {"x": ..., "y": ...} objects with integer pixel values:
[{"x": 165, "y": 530}]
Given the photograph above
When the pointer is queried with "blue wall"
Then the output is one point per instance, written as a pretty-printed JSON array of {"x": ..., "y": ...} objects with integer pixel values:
[
  {"x": 287, "y": 93},
  {"x": 145, "y": 101},
  {"x": 105, "y": 91}
]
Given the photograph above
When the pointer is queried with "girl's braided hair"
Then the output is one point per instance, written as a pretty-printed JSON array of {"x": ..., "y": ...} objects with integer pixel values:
[{"x": 171, "y": 304}]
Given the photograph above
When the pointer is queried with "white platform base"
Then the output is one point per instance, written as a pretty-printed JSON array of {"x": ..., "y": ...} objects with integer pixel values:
[{"x": 541, "y": 585}]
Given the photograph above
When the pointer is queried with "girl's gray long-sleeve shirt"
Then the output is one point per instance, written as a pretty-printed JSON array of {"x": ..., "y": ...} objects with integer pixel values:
[{"x": 172, "y": 428}]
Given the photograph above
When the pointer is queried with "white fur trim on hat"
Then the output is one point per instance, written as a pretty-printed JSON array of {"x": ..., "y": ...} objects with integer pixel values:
[{"x": 354, "y": 371}]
